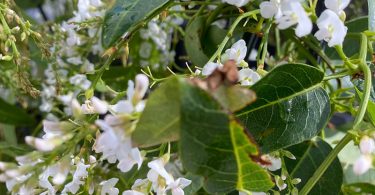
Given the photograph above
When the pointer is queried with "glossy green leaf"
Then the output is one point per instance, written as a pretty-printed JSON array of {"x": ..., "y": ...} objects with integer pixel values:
[
  {"x": 291, "y": 107},
  {"x": 309, "y": 155},
  {"x": 10, "y": 114},
  {"x": 193, "y": 43},
  {"x": 282, "y": 83},
  {"x": 217, "y": 147},
  {"x": 289, "y": 122},
  {"x": 159, "y": 122},
  {"x": 125, "y": 15}
]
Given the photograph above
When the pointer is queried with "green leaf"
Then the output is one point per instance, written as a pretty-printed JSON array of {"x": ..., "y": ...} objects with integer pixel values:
[
  {"x": 289, "y": 122},
  {"x": 194, "y": 32},
  {"x": 159, "y": 122},
  {"x": 154, "y": 129},
  {"x": 10, "y": 114},
  {"x": 309, "y": 155},
  {"x": 282, "y": 83},
  {"x": 125, "y": 15},
  {"x": 215, "y": 146},
  {"x": 291, "y": 107},
  {"x": 351, "y": 43}
]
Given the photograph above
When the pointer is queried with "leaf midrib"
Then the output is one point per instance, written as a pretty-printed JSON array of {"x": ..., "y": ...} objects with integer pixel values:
[{"x": 282, "y": 99}]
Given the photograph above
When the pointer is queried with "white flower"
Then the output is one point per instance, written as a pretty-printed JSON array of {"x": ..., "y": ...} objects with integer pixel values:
[
  {"x": 294, "y": 14},
  {"x": 46, "y": 144},
  {"x": 80, "y": 80},
  {"x": 159, "y": 177},
  {"x": 116, "y": 145},
  {"x": 248, "y": 77},
  {"x": 275, "y": 163},
  {"x": 367, "y": 145},
  {"x": 238, "y": 3},
  {"x": 135, "y": 94},
  {"x": 237, "y": 52},
  {"x": 108, "y": 187},
  {"x": 178, "y": 185},
  {"x": 337, "y": 6},
  {"x": 209, "y": 68},
  {"x": 269, "y": 9},
  {"x": 78, "y": 176},
  {"x": 94, "y": 105},
  {"x": 331, "y": 28},
  {"x": 362, "y": 164}
]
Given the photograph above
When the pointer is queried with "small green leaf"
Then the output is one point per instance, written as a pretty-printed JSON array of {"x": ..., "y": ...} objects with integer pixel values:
[
  {"x": 193, "y": 43},
  {"x": 309, "y": 156},
  {"x": 10, "y": 114},
  {"x": 217, "y": 147},
  {"x": 125, "y": 15}
]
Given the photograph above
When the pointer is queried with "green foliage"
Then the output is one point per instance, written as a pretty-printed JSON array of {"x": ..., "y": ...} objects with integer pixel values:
[
  {"x": 11, "y": 114},
  {"x": 124, "y": 17},
  {"x": 309, "y": 155},
  {"x": 214, "y": 145},
  {"x": 290, "y": 107},
  {"x": 193, "y": 45}
]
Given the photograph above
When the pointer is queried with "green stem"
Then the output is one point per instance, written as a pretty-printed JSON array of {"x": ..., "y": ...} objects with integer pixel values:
[
  {"x": 263, "y": 46},
  {"x": 323, "y": 167},
  {"x": 347, "y": 138},
  {"x": 342, "y": 55},
  {"x": 230, "y": 32},
  {"x": 337, "y": 75}
]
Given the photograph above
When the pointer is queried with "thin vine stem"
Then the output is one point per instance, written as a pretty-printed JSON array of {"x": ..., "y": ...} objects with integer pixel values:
[
  {"x": 230, "y": 32},
  {"x": 348, "y": 137}
]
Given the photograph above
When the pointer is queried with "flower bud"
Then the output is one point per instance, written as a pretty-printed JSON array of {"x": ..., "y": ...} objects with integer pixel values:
[
  {"x": 367, "y": 145},
  {"x": 7, "y": 58},
  {"x": 141, "y": 86},
  {"x": 362, "y": 164},
  {"x": 40, "y": 144}
]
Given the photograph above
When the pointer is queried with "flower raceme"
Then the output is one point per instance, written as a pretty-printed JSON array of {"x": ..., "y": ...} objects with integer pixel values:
[
  {"x": 287, "y": 13},
  {"x": 237, "y": 53}
]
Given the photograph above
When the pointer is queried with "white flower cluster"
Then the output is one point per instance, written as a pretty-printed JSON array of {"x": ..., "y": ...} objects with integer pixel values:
[
  {"x": 158, "y": 36},
  {"x": 161, "y": 181},
  {"x": 288, "y": 13},
  {"x": 237, "y": 53},
  {"x": 365, "y": 161},
  {"x": 66, "y": 52}
]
